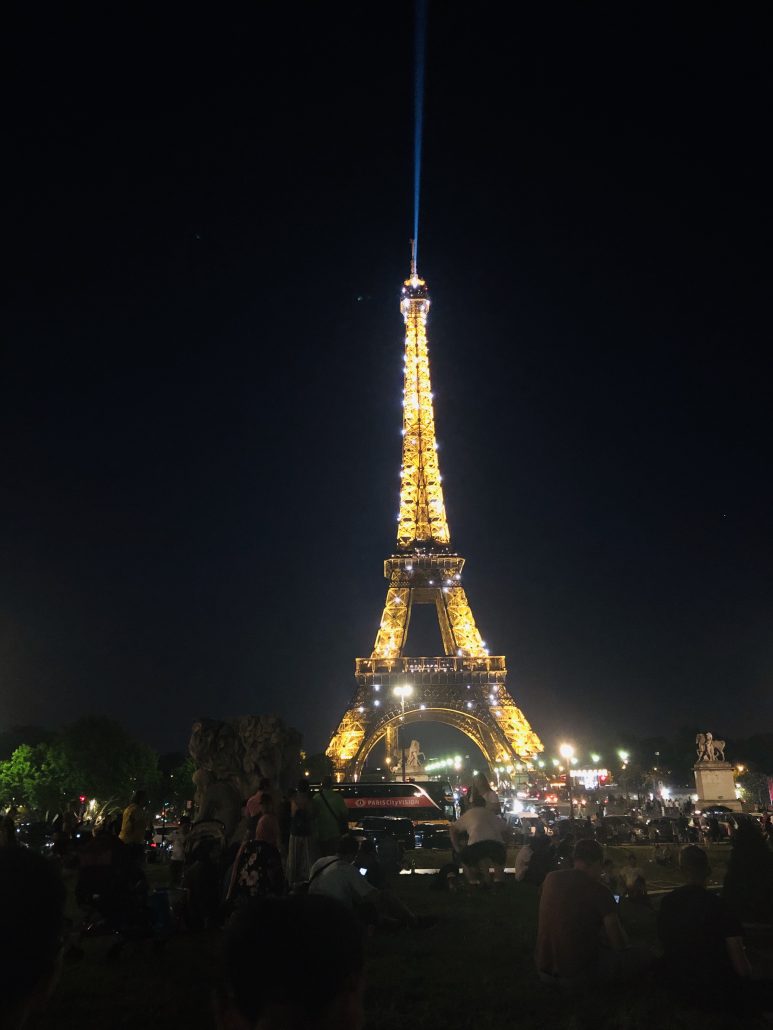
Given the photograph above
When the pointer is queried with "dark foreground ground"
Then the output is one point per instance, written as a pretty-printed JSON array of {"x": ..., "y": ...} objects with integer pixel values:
[{"x": 472, "y": 968}]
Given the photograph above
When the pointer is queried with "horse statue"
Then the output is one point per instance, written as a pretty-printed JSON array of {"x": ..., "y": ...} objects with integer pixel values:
[
  {"x": 708, "y": 748},
  {"x": 415, "y": 760}
]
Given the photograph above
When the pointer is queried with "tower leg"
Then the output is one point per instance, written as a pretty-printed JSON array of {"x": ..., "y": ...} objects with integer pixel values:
[{"x": 391, "y": 745}]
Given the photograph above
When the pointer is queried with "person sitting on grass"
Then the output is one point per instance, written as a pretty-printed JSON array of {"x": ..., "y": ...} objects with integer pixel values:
[
  {"x": 703, "y": 948},
  {"x": 633, "y": 879},
  {"x": 266, "y": 936},
  {"x": 390, "y": 854},
  {"x": 32, "y": 900},
  {"x": 337, "y": 877},
  {"x": 609, "y": 876},
  {"x": 485, "y": 847},
  {"x": 534, "y": 860},
  {"x": 580, "y": 940},
  {"x": 748, "y": 884},
  {"x": 368, "y": 860}
]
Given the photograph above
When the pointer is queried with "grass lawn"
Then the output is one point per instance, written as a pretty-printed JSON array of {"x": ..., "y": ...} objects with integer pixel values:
[{"x": 473, "y": 968}]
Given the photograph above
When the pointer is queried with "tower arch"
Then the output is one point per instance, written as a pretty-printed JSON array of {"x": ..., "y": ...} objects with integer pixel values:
[{"x": 478, "y": 730}]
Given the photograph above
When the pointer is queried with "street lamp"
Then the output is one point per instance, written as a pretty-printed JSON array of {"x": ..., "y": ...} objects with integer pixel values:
[
  {"x": 567, "y": 752},
  {"x": 402, "y": 692}
]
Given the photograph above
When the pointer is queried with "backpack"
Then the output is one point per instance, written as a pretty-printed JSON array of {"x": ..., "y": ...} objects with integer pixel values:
[{"x": 341, "y": 821}]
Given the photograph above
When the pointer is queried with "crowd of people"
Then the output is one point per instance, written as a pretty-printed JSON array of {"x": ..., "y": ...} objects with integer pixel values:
[{"x": 296, "y": 872}]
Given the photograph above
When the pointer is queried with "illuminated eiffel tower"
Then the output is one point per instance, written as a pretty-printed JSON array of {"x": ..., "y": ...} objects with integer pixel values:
[{"x": 465, "y": 687}]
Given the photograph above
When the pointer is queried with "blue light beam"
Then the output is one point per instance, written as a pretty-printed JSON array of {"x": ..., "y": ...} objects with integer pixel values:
[{"x": 420, "y": 46}]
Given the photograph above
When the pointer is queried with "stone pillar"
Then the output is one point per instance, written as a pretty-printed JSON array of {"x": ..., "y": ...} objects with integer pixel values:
[{"x": 715, "y": 784}]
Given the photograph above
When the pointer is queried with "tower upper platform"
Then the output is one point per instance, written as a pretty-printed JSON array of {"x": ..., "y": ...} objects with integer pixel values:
[{"x": 422, "y": 520}]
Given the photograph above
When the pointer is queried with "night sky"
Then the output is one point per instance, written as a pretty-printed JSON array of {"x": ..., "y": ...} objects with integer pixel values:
[{"x": 206, "y": 230}]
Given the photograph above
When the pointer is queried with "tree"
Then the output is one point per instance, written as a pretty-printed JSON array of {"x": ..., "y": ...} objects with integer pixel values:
[
  {"x": 11, "y": 739},
  {"x": 101, "y": 760},
  {"x": 317, "y": 766},
  {"x": 176, "y": 785},
  {"x": 34, "y": 777}
]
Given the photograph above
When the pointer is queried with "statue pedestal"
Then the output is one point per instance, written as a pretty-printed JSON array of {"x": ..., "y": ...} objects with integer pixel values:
[{"x": 715, "y": 784}]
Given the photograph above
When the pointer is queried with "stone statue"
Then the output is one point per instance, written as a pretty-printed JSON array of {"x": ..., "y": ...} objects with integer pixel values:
[
  {"x": 714, "y": 777},
  {"x": 414, "y": 761},
  {"x": 708, "y": 748},
  {"x": 232, "y": 756}
]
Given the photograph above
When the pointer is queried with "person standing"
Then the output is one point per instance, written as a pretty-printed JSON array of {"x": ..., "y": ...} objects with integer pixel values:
[
  {"x": 32, "y": 902},
  {"x": 177, "y": 858},
  {"x": 331, "y": 817},
  {"x": 7, "y": 832},
  {"x": 267, "y": 829},
  {"x": 483, "y": 789},
  {"x": 254, "y": 803},
  {"x": 133, "y": 826},
  {"x": 299, "y": 848}
]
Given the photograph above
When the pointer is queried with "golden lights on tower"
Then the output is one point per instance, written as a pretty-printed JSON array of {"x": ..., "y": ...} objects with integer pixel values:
[{"x": 422, "y": 518}]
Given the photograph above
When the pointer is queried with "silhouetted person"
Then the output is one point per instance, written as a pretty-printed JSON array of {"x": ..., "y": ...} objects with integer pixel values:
[
  {"x": 134, "y": 825},
  {"x": 7, "y": 832},
  {"x": 703, "y": 948},
  {"x": 748, "y": 886},
  {"x": 270, "y": 937},
  {"x": 32, "y": 914},
  {"x": 579, "y": 937},
  {"x": 331, "y": 817}
]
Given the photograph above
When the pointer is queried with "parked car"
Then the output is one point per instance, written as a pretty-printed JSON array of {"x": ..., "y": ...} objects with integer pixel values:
[
  {"x": 432, "y": 836},
  {"x": 524, "y": 826},
  {"x": 373, "y": 827},
  {"x": 731, "y": 821},
  {"x": 619, "y": 829},
  {"x": 35, "y": 835},
  {"x": 663, "y": 830}
]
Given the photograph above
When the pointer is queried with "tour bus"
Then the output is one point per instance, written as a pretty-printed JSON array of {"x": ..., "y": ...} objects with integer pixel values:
[{"x": 429, "y": 802}]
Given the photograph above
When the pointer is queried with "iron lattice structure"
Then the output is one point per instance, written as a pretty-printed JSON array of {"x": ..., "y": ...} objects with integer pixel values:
[{"x": 466, "y": 687}]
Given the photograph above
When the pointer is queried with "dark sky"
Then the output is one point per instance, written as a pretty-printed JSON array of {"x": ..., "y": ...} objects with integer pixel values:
[{"x": 206, "y": 231}]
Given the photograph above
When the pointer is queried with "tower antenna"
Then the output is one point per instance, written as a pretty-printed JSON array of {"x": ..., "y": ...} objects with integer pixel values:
[{"x": 414, "y": 273}]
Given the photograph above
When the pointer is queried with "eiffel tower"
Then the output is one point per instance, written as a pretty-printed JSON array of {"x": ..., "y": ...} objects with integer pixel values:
[{"x": 465, "y": 687}]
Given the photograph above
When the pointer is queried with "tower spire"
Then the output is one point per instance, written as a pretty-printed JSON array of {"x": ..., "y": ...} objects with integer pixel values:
[{"x": 422, "y": 519}]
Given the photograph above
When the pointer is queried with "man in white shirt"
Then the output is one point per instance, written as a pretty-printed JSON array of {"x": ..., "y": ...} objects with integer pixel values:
[
  {"x": 336, "y": 877},
  {"x": 522, "y": 861},
  {"x": 485, "y": 846}
]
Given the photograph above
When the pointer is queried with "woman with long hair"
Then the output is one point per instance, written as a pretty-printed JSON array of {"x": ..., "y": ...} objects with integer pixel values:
[
  {"x": 481, "y": 788},
  {"x": 299, "y": 850}
]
